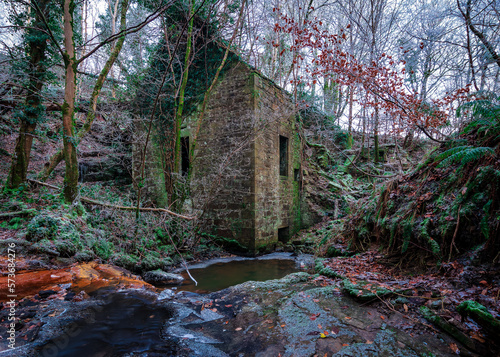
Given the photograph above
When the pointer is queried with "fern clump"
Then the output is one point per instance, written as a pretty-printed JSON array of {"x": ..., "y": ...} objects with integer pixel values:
[{"x": 449, "y": 204}]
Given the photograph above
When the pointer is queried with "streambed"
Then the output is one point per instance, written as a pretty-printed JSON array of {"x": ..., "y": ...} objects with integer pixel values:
[{"x": 292, "y": 316}]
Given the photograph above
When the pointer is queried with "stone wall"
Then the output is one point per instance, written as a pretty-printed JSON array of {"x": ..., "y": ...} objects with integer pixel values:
[
  {"x": 236, "y": 184},
  {"x": 277, "y": 207},
  {"x": 223, "y": 170}
]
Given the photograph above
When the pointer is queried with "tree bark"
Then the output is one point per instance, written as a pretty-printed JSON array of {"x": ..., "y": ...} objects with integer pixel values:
[
  {"x": 59, "y": 155},
  {"x": 70, "y": 189},
  {"x": 478, "y": 33},
  {"x": 37, "y": 45}
]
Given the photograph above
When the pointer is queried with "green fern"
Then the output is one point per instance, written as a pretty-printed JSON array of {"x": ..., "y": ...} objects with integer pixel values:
[
  {"x": 485, "y": 114},
  {"x": 464, "y": 155}
]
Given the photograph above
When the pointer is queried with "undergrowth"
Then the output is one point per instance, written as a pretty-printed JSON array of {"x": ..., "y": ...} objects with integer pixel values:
[
  {"x": 79, "y": 233},
  {"x": 448, "y": 204}
]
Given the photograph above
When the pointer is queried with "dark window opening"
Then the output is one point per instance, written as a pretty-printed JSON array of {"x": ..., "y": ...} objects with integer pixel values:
[
  {"x": 283, "y": 156},
  {"x": 296, "y": 175},
  {"x": 283, "y": 234},
  {"x": 185, "y": 155}
]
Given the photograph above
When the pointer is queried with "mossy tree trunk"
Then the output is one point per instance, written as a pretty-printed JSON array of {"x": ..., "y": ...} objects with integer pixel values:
[
  {"x": 70, "y": 190},
  {"x": 59, "y": 155},
  {"x": 37, "y": 46},
  {"x": 180, "y": 106}
]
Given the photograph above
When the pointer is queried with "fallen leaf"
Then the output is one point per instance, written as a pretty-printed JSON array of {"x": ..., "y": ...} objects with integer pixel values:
[
  {"x": 228, "y": 305},
  {"x": 325, "y": 332},
  {"x": 238, "y": 329},
  {"x": 368, "y": 342},
  {"x": 454, "y": 348},
  {"x": 348, "y": 318},
  {"x": 322, "y": 335},
  {"x": 382, "y": 317},
  {"x": 283, "y": 325},
  {"x": 405, "y": 307},
  {"x": 345, "y": 344},
  {"x": 476, "y": 336},
  {"x": 319, "y": 326}
]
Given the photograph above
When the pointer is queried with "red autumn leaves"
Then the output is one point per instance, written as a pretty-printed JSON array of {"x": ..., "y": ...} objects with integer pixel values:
[{"x": 379, "y": 84}]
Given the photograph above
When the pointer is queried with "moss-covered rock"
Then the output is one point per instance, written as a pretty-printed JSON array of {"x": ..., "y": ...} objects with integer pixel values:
[
  {"x": 320, "y": 268},
  {"x": 125, "y": 260},
  {"x": 153, "y": 261},
  {"x": 51, "y": 226},
  {"x": 447, "y": 327},
  {"x": 160, "y": 277},
  {"x": 364, "y": 290},
  {"x": 481, "y": 315},
  {"x": 86, "y": 256}
]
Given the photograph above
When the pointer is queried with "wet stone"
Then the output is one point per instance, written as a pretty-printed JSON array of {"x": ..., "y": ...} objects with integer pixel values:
[{"x": 159, "y": 277}]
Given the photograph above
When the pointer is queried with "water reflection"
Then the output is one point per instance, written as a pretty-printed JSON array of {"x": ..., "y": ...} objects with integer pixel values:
[{"x": 219, "y": 276}]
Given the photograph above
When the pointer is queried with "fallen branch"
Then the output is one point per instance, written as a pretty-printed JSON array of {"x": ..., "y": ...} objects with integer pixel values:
[
  {"x": 123, "y": 208},
  {"x": 18, "y": 213}
]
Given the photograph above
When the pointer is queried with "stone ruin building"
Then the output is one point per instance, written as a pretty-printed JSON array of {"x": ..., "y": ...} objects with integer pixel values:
[{"x": 245, "y": 181}]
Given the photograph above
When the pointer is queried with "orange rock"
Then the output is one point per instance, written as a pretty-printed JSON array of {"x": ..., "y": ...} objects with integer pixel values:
[
  {"x": 30, "y": 283},
  {"x": 86, "y": 277}
]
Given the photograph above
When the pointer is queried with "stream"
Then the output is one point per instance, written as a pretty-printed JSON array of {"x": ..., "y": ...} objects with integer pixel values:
[{"x": 267, "y": 306}]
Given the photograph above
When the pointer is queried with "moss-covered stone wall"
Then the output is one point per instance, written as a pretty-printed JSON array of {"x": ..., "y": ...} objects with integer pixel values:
[
  {"x": 277, "y": 196},
  {"x": 223, "y": 169},
  {"x": 236, "y": 186}
]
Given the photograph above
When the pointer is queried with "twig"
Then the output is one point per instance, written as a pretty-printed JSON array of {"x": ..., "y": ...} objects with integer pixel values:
[
  {"x": 124, "y": 208},
  {"x": 405, "y": 316},
  {"x": 180, "y": 255},
  {"x": 454, "y": 234}
]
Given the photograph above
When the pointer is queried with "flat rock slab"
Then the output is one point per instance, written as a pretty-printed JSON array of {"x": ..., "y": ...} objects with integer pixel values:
[{"x": 292, "y": 317}]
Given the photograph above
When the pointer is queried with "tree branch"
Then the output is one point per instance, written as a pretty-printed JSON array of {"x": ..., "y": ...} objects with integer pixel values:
[
  {"x": 124, "y": 208},
  {"x": 127, "y": 31}
]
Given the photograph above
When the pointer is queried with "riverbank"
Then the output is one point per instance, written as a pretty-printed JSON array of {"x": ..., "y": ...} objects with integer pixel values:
[{"x": 91, "y": 304}]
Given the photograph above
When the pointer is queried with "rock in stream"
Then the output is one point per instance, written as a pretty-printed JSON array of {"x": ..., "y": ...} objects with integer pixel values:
[{"x": 292, "y": 316}]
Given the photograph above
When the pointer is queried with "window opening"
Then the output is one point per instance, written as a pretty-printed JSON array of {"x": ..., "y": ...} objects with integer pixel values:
[
  {"x": 283, "y": 234},
  {"x": 296, "y": 175},
  {"x": 283, "y": 156}
]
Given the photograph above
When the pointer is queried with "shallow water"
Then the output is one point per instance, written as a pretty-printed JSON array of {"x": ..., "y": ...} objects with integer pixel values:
[
  {"x": 129, "y": 322},
  {"x": 123, "y": 324},
  {"x": 222, "y": 275}
]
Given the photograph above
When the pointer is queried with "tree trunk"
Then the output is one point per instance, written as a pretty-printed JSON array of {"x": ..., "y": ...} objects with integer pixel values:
[
  {"x": 37, "y": 45},
  {"x": 20, "y": 160},
  {"x": 180, "y": 106},
  {"x": 376, "y": 155},
  {"x": 59, "y": 155},
  {"x": 349, "y": 135},
  {"x": 70, "y": 190}
]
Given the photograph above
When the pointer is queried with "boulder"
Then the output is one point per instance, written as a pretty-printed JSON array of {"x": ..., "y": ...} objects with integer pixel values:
[{"x": 159, "y": 277}]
